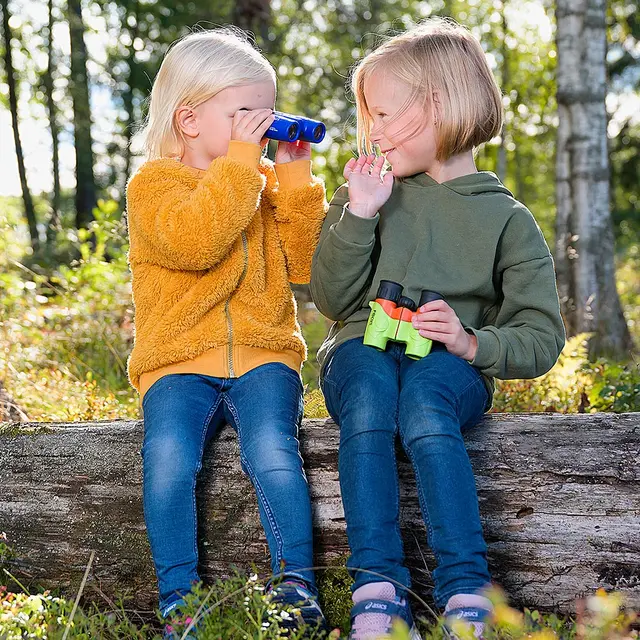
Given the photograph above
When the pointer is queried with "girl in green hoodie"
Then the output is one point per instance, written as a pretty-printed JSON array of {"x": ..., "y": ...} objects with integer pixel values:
[{"x": 426, "y": 99}]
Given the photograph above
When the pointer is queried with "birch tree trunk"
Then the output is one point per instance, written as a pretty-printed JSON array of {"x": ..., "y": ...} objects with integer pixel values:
[{"x": 584, "y": 234}]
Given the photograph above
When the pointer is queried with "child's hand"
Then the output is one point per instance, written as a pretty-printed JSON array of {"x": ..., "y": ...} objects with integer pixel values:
[
  {"x": 250, "y": 126},
  {"x": 438, "y": 321},
  {"x": 368, "y": 190},
  {"x": 291, "y": 151}
]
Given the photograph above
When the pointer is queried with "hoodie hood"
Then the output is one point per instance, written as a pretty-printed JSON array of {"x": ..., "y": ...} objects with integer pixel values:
[{"x": 469, "y": 185}]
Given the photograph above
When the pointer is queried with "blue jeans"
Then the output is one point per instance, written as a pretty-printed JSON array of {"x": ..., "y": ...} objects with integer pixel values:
[
  {"x": 374, "y": 396},
  {"x": 181, "y": 413}
]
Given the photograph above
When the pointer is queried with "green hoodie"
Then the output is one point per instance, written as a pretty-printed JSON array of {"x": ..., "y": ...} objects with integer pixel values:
[{"x": 469, "y": 240}]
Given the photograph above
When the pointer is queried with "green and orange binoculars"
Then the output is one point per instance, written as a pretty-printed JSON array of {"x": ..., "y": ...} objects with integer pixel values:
[{"x": 391, "y": 318}]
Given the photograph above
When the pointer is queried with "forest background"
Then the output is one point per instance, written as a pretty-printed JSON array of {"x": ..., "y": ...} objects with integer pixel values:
[{"x": 74, "y": 78}]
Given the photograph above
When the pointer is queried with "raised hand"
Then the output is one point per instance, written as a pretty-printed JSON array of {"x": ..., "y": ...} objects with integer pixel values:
[
  {"x": 250, "y": 126},
  {"x": 368, "y": 188}
]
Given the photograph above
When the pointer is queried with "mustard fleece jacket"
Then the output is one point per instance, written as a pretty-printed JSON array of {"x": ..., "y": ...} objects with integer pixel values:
[{"x": 212, "y": 253}]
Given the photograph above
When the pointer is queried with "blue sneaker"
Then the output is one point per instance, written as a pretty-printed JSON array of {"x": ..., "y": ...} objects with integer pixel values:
[{"x": 306, "y": 610}]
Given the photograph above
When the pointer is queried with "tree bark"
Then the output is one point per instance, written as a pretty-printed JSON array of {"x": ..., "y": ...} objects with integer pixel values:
[
  {"x": 29, "y": 210},
  {"x": 584, "y": 235},
  {"x": 79, "y": 88},
  {"x": 54, "y": 219},
  {"x": 559, "y": 497}
]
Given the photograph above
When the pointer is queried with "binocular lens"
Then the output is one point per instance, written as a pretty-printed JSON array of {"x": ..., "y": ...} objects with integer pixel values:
[
  {"x": 318, "y": 133},
  {"x": 292, "y": 131}
]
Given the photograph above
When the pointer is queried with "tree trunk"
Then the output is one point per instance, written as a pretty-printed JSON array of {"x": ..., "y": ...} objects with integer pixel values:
[
  {"x": 29, "y": 210},
  {"x": 79, "y": 88},
  {"x": 559, "y": 498},
  {"x": 54, "y": 220},
  {"x": 584, "y": 235}
]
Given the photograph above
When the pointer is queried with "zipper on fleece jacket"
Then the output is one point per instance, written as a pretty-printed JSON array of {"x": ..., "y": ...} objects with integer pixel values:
[{"x": 245, "y": 250}]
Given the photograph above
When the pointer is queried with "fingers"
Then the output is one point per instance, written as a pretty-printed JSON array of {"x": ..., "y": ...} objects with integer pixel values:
[
  {"x": 250, "y": 126},
  {"x": 262, "y": 127},
  {"x": 444, "y": 338},
  {"x": 291, "y": 151},
  {"x": 348, "y": 168},
  {"x": 435, "y": 305},
  {"x": 369, "y": 165},
  {"x": 376, "y": 167},
  {"x": 363, "y": 165},
  {"x": 436, "y": 327},
  {"x": 433, "y": 316}
]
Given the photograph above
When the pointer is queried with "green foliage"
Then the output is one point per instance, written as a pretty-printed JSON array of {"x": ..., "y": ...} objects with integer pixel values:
[
  {"x": 616, "y": 387},
  {"x": 66, "y": 333},
  {"x": 574, "y": 385},
  {"x": 238, "y": 608},
  {"x": 334, "y": 584}
]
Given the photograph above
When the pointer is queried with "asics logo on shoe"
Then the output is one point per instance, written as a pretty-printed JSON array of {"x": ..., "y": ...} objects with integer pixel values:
[
  {"x": 376, "y": 605},
  {"x": 467, "y": 614}
]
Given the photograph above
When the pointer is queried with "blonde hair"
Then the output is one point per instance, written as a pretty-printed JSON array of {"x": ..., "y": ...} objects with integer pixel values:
[
  {"x": 443, "y": 59},
  {"x": 194, "y": 69}
]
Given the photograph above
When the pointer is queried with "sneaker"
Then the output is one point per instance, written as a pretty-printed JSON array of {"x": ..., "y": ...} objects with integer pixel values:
[
  {"x": 376, "y": 609},
  {"x": 176, "y": 623},
  {"x": 467, "y": 608},
  {"x": 297, "y": 595},
  {"x": 175, "y": 629}
]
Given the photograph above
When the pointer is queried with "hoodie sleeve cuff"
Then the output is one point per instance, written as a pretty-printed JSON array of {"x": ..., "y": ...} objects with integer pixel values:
[
  {"x": 293, "y": 174},
  {"x": 356, "y": 230},
  {"x": 488, "y": 348},
  {"x": 246, "y": 153}
]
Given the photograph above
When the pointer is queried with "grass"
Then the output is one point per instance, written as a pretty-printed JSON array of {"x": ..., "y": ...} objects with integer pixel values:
[{"x": 238, "y": 608}]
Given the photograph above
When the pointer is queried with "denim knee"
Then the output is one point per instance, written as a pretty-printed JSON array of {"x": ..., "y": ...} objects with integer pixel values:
[{"x": 168, "y": 467}]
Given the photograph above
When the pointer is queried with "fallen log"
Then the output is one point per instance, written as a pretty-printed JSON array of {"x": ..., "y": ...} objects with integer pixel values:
[{"x": 559, "y": 496}]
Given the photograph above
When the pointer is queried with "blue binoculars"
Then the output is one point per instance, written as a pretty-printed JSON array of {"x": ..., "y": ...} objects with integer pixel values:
[{"x": 291, "y": 128}]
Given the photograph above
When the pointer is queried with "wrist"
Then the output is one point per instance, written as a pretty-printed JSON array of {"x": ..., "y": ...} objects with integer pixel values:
[
  {"x": 472, "y": 348},
  {"x": 362, "y": 210}
]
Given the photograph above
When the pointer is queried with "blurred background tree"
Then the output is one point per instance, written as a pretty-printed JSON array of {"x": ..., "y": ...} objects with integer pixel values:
[{"x": 74, "y": 81}]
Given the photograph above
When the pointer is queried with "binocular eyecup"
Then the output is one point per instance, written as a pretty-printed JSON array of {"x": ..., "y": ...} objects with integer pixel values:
[
  {"x": 389, "y": 290},
  {"x": 290, "y": 128}
]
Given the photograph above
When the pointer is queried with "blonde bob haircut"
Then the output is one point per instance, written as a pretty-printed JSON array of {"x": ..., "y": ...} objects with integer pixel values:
[
  {"x": 194, "y": 69},
  {"x": 448, "y": 73}
]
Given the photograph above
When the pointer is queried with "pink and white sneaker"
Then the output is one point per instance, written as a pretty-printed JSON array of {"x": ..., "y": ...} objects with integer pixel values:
[{"x": 376, "y": 609}]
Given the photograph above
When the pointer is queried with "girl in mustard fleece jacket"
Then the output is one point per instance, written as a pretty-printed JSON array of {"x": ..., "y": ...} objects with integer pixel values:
[{"x": 217, "y": 233}]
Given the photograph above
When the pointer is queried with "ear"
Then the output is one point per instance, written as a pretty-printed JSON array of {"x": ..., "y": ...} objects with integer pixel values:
[{"x": 187, "y": 121}]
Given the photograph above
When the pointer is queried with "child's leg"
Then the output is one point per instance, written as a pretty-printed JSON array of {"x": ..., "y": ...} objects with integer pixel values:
[
  {"x": 360, "y": 385},
  {"x": 180, "y": 413},
  {"x": 440, "y": 396},
  {"x": 265, "y": 407}
]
